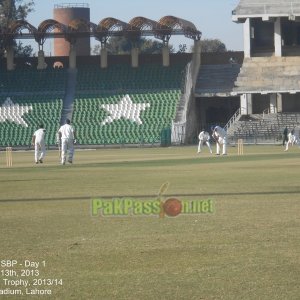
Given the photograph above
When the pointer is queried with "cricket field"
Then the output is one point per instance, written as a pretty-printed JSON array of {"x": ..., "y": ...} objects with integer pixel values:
[{"x": 245, "y": 246}]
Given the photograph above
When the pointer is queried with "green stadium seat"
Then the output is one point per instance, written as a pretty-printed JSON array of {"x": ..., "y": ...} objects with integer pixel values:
[
  {"x": 150, "y": 83},
  {"x": 156, "y": 117}
]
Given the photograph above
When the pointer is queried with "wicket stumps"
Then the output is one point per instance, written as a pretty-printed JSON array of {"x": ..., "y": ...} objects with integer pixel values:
[
  {"x": 240, "y": 145},
  {"x": 8, "y": 155}
]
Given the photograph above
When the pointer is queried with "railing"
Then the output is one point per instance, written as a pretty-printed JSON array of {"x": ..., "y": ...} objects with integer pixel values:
[
  {"x": 235, "y": 116},
  {"x": 178, "y": 133},
  {"x": 179, "y": 127}
]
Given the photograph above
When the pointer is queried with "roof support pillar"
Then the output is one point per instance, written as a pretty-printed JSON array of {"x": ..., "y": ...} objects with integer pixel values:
[
  {"x": 10, "y": 58},
  {"x": 277, "y": 37},
  {"x": 247, "y": 38},
  {"x": 273, "y": 103},
  {"x": 246, "y": 104},
  {"x": 135, "y": 57},
  {"x": 41, "y": 60},
  {"x": 72, "y": 56},
  {"x": 166, "y": 55},
  {"x": 279, "y": 103},
  {"x": 103, "y": 57},
  {"x": 196, "y": 61}
]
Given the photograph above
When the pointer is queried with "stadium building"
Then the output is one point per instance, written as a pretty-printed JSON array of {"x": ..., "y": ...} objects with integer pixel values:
[
  {"x": 111, "y": 99},
  {"x": 268, "y": 81},
  {"x": 264, "y": 85},
  {"x": 141, "y": 99}
]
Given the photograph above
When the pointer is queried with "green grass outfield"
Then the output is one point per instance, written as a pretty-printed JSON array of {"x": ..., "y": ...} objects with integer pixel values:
[{"x": 248, "y": 248}]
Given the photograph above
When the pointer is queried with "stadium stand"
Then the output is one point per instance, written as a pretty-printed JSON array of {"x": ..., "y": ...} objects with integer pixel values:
[
  {"x": 89, "y": 115},
  {"x": 215, "y": 79},
  {"x": 122, "y": 76},
  {"x": 28, "y": 98},
  {"x": 158, "y": 86},
  {"x": 263, "y": 128},
  {"x": 44, "y": 92},
  {"x": 32, "y": 81},
  {"x": 44, "y": 109}
]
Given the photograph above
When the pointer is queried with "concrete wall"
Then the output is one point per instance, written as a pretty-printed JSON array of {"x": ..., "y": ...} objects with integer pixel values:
[
  {"x": 94, "y": 60},
  {"x": 221, "y": 58},
  {"x": 206, "y": 59}
]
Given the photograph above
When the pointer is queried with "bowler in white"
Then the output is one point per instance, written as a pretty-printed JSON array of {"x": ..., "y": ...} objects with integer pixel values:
[
  {"x": 67, "y": 136},
  {"x": 38, "y": 141}
]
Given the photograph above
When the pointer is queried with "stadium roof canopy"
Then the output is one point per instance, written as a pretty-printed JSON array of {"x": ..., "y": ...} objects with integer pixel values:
[
  {"x": 137, "y": 27},
  {"x": 266, "y": 9}
]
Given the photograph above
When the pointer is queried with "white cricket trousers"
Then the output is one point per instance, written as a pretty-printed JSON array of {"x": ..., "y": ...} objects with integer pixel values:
[
  {"x": 67, "y": 145},
  {"x": 39, "y": 151},
  {"x": 222, "y": 142},
  {"x": 200, "y": 146}
]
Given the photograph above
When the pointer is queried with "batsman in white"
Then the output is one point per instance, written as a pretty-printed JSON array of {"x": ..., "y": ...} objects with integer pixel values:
[
  {"x": 204, "y": 137},
  {"x": 38, "y": 141},
  {"x": 220, "y": 136},
  {"x": 68, "y": 139}
]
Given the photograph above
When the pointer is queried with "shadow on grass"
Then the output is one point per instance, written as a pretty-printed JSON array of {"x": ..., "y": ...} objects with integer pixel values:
[{"x": 154, "y": 196}]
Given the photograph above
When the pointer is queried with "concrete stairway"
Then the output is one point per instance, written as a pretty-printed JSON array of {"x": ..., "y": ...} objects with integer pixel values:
[
  {"x": 271, "y": 74},
  {"x": 185, "y": 96},
  {"x": 67, "y": 109}
]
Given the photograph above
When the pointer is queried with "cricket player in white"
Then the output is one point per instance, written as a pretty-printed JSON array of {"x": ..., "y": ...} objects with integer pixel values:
[
  {"x": 291, "y": 140},
  {"x": 220, "y": 135},
  {"x": 67, "y": 136},
  {"x": 204, "y": 137},
  {"x": 38, "y": 141}
]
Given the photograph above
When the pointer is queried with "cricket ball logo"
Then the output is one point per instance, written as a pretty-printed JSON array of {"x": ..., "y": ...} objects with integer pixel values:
[
  {"x": 161, "y": 206},
  {"x": 171, "y": 207}
]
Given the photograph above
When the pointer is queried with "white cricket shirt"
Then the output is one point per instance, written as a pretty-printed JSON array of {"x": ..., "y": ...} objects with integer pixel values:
[
  {"x": 204, "y": 136},
  {"x": 67, "y": 131},
  {"x": 39, "y": 135}
]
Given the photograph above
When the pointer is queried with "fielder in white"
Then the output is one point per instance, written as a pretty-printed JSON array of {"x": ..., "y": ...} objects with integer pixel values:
[
  {"x": 204, "y": 137},
  {"x": 292, "y": 139},
  {"x": 67, "y": 136},
  {"x": 38, "y": 141},
  {"x": 220, "y": 136}
]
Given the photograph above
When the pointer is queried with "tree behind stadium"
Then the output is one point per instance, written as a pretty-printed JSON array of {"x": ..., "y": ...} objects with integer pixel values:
[
  {"x": 122, "y": 45},
  {"x": 212, "y": 45},
  {"x": 15, "y": 10}
]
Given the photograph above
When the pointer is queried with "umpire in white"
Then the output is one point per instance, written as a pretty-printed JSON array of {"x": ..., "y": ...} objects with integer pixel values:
[{"x": 67, "y": 136}]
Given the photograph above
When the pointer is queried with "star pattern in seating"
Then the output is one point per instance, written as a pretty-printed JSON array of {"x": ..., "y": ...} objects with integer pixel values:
[
  {"x": 124, "y": 109},
  {"x": 13, "y": 112}
]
